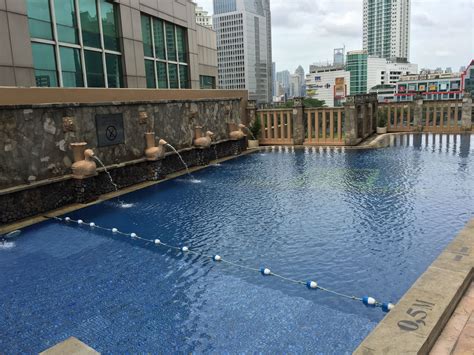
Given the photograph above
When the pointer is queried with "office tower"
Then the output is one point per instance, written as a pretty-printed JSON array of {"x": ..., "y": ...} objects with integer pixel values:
[{"x": 244, "y": 46}]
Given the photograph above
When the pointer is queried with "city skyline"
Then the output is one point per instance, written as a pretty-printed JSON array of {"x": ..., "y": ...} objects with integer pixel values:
[{"x": 331, "y": 24}]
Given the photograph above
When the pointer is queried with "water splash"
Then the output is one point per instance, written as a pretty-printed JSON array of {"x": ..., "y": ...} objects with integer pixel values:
[
  {"x": 248, "y": 130},
  {"x": 7, "y": 245},
  {"x": 127, "y": 205},
  {"x": 193, "y": 179},
  {"x": 4, "y": 240},
  {"x": 216, "y": 155},
  {"x": 111, "y": 180}
]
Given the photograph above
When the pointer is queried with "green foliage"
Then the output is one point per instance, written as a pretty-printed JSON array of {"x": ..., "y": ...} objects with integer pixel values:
[
  {"x": 255, "y": 128},
  {"x": 307, "y": 102},
  {"x": 382, "y": 118}
]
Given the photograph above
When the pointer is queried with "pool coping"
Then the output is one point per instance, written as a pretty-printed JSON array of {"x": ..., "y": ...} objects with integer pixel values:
[
  {"x": 108, "y": 196},
  {"x": 416, "y": 322}
]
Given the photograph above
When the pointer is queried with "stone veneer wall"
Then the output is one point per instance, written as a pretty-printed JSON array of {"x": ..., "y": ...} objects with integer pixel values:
[
  {"x": 34, "y": 139},
  {"x": 41, "y": 198}
]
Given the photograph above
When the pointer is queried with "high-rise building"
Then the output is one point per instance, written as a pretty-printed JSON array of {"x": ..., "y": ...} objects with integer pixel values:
[
  {"x": 283, "y": 81},
  {"x": 295, "y": 85},
  {"x": 339, "y": 56},
  {"x": 203, "y": 18},
  {"x": 244, "y": 46},
  {"x": 386, "y": 27},
  {"x": 300, "y": 72},
  {"x": 274, "y": 82}
]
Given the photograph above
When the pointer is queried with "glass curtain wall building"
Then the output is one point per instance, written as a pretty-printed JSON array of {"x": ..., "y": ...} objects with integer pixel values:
[
  {"x": 75, "y": 43},
  {"x": 357, "y": 65},
  {"x": 105, "y": 44}
]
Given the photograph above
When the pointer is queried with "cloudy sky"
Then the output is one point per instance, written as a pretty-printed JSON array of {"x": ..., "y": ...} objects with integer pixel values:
[{"x": 306, "y": 31}]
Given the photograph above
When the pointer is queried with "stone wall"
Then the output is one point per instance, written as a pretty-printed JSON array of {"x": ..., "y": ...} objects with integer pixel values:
[
  {"x": 34, "y": 139},
  {"x": 40, "y": 198}
]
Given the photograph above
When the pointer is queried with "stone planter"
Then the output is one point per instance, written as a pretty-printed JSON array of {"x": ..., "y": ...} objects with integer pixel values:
[
  {"x": 253, "y": 143},
  {"x": 381, "y": 130}
]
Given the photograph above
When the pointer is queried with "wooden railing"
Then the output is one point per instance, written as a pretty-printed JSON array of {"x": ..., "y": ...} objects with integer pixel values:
[
  {"x": 435, "y": 117},
  {"x": 442, "y": 116},
  {"x": 276, "y": 126},
  {"x": 324, "y": 126}
]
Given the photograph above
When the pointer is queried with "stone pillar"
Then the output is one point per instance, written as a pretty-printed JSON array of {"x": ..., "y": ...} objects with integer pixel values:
[
  {"x": 298, "y": 124},
  {"x": 362, "y": 119},
  {"x": 375, "y": 116},
  {"x": 350, "y": 121},
  {"x": 418, "y": 113},
  {"x": 466, "y": 118},
  {"x": 251, "y": 112}
]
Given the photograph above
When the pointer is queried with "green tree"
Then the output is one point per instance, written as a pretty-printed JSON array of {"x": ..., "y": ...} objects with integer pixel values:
[{"x": 307, "y": 102}]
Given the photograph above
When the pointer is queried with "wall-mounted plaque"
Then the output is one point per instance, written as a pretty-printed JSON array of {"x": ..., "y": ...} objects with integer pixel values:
[{"x": 109, "y": 129}]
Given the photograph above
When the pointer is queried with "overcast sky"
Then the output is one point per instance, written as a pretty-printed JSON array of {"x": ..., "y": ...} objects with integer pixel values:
[{"x": 306, "y": 31}]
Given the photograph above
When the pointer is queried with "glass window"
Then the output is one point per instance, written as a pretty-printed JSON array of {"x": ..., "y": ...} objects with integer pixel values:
[
  {"x": 207, "y": 82},
  {"x": 173, "y": 76},
  {"x": 71, "y": 67},
  {"x": 44, "y": 62},
  {"x": 183, "y": 76},
  {"x": 110, "y": 25},
  {"x": 146, "y": 36},
  {"x": 159, "y": 39},
  {"x": 170, "y": 42},
  {"x": 39, "y": 19},
  {"x": 114, "y": 70},
  {"x": 181, "y": 43},
  {"x": 162, "y": 78},
  {"x": 94, "y": 69},
  {"x": 66, "y": 23},
  {"x": 89, "y": 23},
  {"x": 150, "y": 73}
]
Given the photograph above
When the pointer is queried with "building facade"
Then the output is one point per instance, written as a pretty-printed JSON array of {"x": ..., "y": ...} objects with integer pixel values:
[
  {"x": 386, "y": 28},
  {"x": 300, "y": 72},
  {"x": 283, "y": 82},
  {"x": 330, "y": 83},
  {"x": 370, "y": 71},
  {"x": 295, "y": 85},
  {"x": 203, "y": 18},
  {"x": 444, "y": 86},
  {"x": 103, "y": 43},
  {"x": 468, "y": 78},
  {"x": 244, "y": 46},
  {"x": 356, "y": 64}
]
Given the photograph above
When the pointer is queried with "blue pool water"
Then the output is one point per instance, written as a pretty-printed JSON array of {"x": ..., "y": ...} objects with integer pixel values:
[{"x": 363, "y": 222}]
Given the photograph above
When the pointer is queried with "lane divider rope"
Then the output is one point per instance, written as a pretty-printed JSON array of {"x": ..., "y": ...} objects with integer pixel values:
[{"x": 311, "y": 284}]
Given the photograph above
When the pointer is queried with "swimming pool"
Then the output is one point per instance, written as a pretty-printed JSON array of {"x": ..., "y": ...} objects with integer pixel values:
[{"x": 363, "y": 222}]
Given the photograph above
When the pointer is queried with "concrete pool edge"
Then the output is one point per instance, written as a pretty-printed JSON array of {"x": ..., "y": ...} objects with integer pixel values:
[
  {"x": 108, "y": 196},
  {"x": 420, "y": 316}
]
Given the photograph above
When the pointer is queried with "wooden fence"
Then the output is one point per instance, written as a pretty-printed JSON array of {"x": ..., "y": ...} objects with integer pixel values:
[
  {"x": 276, "y": 126},
  {"x": 324, "y": 126},
  {"x": 436, "y": 116}
]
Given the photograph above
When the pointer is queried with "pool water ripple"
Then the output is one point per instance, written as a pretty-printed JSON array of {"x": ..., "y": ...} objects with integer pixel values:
[{"x": 359, "y": 222}]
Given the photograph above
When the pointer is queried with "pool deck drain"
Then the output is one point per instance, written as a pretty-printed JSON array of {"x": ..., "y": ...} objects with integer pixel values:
[{"x": 415, "y": 324}]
